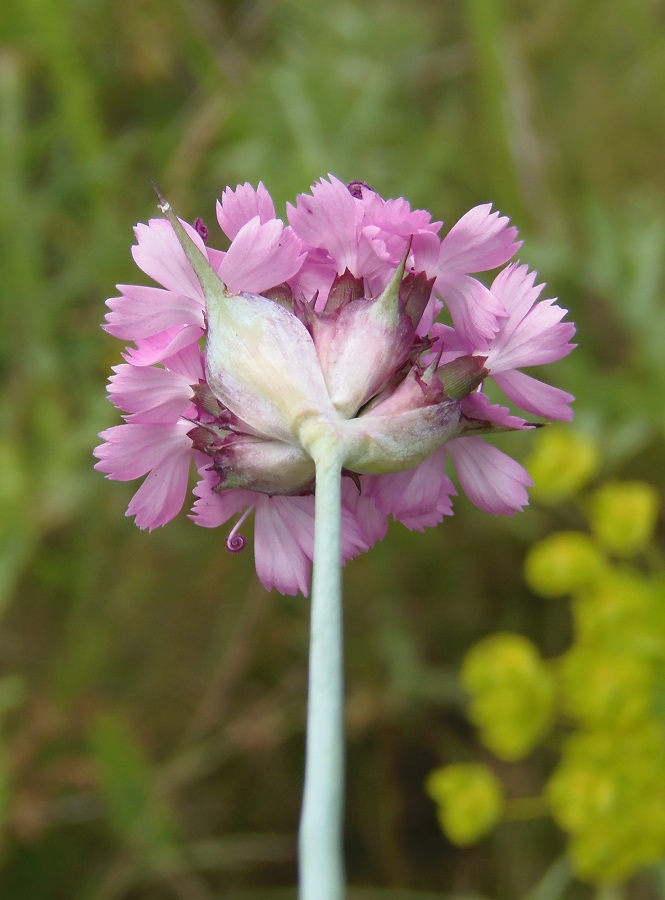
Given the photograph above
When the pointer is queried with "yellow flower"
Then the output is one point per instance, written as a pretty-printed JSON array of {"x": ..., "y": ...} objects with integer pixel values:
[{"x": 469, "y": 800}]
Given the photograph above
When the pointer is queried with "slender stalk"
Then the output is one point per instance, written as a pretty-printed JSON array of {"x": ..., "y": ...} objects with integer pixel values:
[{"x": 320, "y": 837}]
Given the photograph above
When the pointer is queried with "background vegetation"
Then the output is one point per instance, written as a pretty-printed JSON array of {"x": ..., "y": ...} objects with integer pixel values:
[{"x": 152, "y": 701}]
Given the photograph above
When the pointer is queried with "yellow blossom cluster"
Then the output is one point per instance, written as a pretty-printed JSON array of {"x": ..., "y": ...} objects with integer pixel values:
[{"x": 606, "y": 693}]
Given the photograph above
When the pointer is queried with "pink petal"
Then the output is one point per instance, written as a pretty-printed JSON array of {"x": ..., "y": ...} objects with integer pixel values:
[
  {"x": 261, "y": 256},
  {"x": 130, "y": 450},
  {"x": 515, "y": 286},
  {"x": 212, "y": 509},
  {"x": 448, "y": 342},
  {"x": 474, "y": 309},
  {"x": 149, "y": 393},
  {"x": 479, "y": 241},
  {"x": 426, "y": 248},
  {"x": 284, "y": 543},
  {"x": 315, "y": 278},
  {"x": 419, "y": 497},
  {"x": 163, "y": 345},
  {"x": 239, "y": 207},
  {"x": 144, "y": 311},
  {"x": 396, "y": 216},
  {"x": 160, "y": 256},
  {"x": 535, "y": 396},
  {"x": 361, "y": 523},
  {"x": 162, "y": 494},
  {"x": 372, "y": 522},
  {"x": 329, "y": 219},
  {"x": 478, "y": 406},
  {"x": 188, "y": 362},
  {"x": 493, "y": 481},
  {"x": 374, "y": 259},
  {"x": 533, "y": 333}
]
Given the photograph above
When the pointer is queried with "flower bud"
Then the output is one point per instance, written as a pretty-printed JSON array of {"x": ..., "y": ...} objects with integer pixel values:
[{"x": 260, "y": 359}]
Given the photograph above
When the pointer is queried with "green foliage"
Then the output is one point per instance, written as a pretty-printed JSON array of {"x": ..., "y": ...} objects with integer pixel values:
[
  {"x": 552, "y": 111},
  {"x": 127, "y": 784}
]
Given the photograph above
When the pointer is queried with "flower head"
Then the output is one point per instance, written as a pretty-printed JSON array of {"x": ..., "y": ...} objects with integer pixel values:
[{"x": 327, "y": 322}]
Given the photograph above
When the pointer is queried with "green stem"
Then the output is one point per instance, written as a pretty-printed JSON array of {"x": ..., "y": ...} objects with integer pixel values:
[{"x": 320, "y": 837}]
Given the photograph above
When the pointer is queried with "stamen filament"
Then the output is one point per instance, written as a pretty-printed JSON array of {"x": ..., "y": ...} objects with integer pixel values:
[{"x": 236, "y": 542}]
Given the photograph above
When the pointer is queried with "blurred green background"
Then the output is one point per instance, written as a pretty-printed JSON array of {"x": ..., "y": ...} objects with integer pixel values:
[{"x": 152, "y": 694}]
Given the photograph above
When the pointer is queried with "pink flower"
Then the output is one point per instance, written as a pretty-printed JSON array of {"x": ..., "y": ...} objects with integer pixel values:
[{"x": 325, "y": 322}]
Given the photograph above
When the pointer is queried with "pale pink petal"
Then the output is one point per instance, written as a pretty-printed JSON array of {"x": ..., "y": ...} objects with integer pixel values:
[
  {"x": 432, "y": 310},
  {"x": 162, "y": 494},
  {"x": 284, "y": 542},
  {"x": 372, "y": 522},
  {"x": 375, "y": 258},
  {"x": 493, "y": 481},
  {"x": 419, "y": 497},
  {"x": 283, "y": 532},
  {"x": 474, "y": 309},
  {"x": 151, "y": 394},
  {"x": 212, "y": 509},
  {"x": 425, "y": 249},
  {"x": 159, "y": 254},
  {"x": 188, "y": 362},
  {"x": 164, "y": 345},
  {"x": 144, "y": 311},
  {"x": 329, "y": 219},
  {"x": 261, "y": 256},
  {"x": 533, "y": 333},
  {"x": 478, "y": 406},
  {"x": 239, "y": 207},
  {"x": 359, "y": 525},
  {"x": 315, "y": 278},
  {"x": 448, "y": 342},
  {"x": 535, "y": 396},
  {"x": 516, "y": 288},
  {"x": 479, "y": 241},
  {"x": 215, "y": 258},
  {"x": 130, "y": 450},
  {"x": 397, "y": 216}
]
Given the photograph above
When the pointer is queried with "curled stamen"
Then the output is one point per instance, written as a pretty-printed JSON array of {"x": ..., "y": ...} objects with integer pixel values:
[{"x": 236, "y": 542}]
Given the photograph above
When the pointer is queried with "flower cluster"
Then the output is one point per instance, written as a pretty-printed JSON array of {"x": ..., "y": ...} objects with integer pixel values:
[
  {"x": 329, "y": 318},
  {"x": 600, "y": 702}
]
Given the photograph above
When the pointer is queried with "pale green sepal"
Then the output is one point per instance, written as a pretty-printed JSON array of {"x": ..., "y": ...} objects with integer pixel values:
[
  {"x": 382, "y": 444},
  {"x": 210, "y": 282},
  {"x": 386, "y": 306},
  {"x": 260, "y": 360}
]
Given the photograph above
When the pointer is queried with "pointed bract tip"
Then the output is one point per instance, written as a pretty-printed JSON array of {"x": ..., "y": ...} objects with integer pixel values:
[
  {"x": 389, "y": 299},
  {"x": 164, "y": 204}
]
